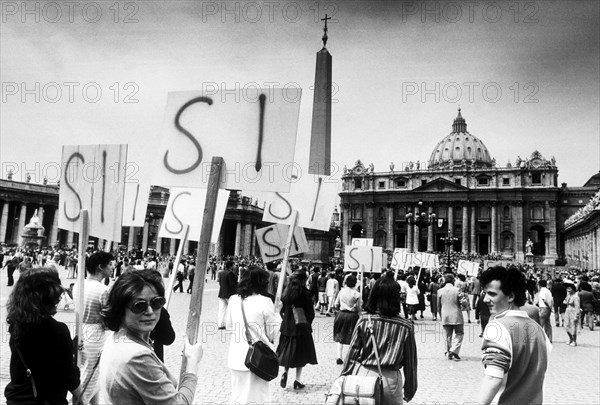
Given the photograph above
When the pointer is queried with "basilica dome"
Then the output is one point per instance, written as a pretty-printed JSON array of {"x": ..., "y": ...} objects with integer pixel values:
[{"x": 460, "y": 146}]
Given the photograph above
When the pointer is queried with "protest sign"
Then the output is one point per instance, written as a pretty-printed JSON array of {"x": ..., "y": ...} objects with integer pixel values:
[
  {"x": 403, "y": 260},
  {"x": 254, "y": 133},
  {"x": 135, "y": 203},
  {"x": 186, "y": 207},
  {"x": 368, "y": 256},
  {"x": 362, "y": 242},
  {"x": 271, "y": 241},
  {"x": 93, "y": 178},
  {"x": 313, "y": 197},
  {"x": 467, "y": 268}
]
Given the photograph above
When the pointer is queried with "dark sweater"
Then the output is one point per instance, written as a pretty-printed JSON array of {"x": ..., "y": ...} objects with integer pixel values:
[
  {"x": 48, "y": 352},
  {"x": 288, "y": 325}
]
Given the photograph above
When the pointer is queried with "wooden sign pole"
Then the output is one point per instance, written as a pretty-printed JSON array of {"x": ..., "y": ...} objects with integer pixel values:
[
  {"x": 195, "y": 311},
  {"x": 83, "y": 240},
  {"x": 286, "y": 254},
  {"x": 173, "y": 274}
]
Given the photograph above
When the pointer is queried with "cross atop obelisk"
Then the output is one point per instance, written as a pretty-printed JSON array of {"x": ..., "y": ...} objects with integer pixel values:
[{"x": 325, "y": 30}]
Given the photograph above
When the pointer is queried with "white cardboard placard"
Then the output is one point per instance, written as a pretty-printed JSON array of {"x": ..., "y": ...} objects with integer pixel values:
[
  {"x": 362, "y": 242},
  {"x": 367, "y": 256},
  {"x": 272, "y": 239},
  {"x": 312, "y": 196},
  {"x": 254, "y": 130},
  {"x": 93, "y": 178},
  {"x": 135, "y": 203},
  {"x": 403, "y": 260},
  {"x": 467, "y": 267},
  {"x": 186, "y": 207}
]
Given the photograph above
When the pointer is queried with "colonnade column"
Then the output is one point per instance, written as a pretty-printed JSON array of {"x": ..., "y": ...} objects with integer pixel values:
[
  {"x": 238, "y": 238},
  {"x": 430, "y": 233},
  {"x": 131, "y": 239},
  {"x": 416, "y": 232},
  {"x": 70, "y": 237},
  {"x": 158, "y": 246},
  {"x": 551, "y": 251},
  {"x": 465, "y": 228},
  {"x": 172, "y": 248},
  {"x": 345, "y": 223},
  {"x": 409, "y": 237},
  {"x": 253, "y": 249},
  {"x": 53, "y": 236},
  {"x": 145, "y": 236},
  {"x": 21, "y": 225},
  {"x": 494, "y": 248},
  {"x": 519, "y": 254},
  {"x": 41, "y": 216},
  {"x": 4, "y": 221},
  {"x": 247, "y": 239},
  {"x": 389, "y": 243},
  {"x": 473, "y": 228}
]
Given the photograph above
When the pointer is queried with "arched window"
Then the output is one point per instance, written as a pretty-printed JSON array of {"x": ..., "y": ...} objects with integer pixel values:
[
  {"x": 506, "y": 212},
  {"x": 381, "y": 213},
  {"x": 357, "y": 212},
  {"x": 537, "y": 213}
]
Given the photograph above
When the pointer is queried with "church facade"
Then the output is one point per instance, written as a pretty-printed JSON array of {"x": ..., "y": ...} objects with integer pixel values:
[{"x": 465, "y": 194}]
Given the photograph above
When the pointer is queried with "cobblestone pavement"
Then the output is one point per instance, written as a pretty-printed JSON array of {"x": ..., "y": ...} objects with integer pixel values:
[{"x": 573, "y": 376}]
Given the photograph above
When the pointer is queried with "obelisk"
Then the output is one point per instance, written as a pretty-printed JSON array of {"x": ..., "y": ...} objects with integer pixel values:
[{"x": 320, "y": 138}]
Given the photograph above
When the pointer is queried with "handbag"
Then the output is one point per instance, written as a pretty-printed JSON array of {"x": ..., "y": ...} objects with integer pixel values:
[
  {"x": 358, "y": 390},
  {"x": 29, "y": 374},
  {"x": 299, "y": 316},
  {"x": 260, "y": 359}
]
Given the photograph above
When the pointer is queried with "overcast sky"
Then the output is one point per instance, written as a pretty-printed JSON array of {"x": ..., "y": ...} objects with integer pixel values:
[{"x": 526, "y": 74}]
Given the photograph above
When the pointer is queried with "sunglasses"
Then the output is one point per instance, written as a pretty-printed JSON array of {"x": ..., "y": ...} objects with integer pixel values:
[{"x": 141, "y": 306}]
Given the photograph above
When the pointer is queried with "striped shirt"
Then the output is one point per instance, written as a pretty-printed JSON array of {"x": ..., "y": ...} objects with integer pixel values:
[
  {"x": 396, "y": 346},
  {"x": 95, "y": 297}
]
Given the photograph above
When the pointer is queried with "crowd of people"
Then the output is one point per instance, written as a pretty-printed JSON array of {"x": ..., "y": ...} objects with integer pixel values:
[{"x": 374, "y": 318}]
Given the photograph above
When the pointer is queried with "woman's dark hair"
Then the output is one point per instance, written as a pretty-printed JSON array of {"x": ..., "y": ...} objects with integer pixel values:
[
  {"x": 461, "y": 277},
  {"x": 98, "y": 258},
  {"x": 512, "y": 281},
  {"x": 384, "y": 297},
  {"x": 295, "y": 287},
  {"x": 585, "y": 287},
  {"x": 351, "y": 281},
  {"x": 126, "y": 287},
  {"x": 252, "y": 281},
  {"x": 411, "y": 281},
  {"x": 35, "y": 295}
]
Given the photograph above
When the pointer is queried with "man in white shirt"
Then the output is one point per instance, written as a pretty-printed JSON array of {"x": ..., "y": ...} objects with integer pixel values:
[{"x": 546, "y": 303}]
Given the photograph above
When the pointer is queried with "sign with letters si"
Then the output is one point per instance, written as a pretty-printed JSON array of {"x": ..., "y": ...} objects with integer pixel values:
[
  {"x": 403, "y": 260},
  {"x": 271, "y": 241},
  {"x": 362, "y": 242},
  {"x": 467, "y": 267},
  {"x": 312, "y": 196},
  {"x": 93, "y": 178},
  {"x": 254, "y": 130},
  {"x": 186, "y": 207},
  {"x": 368, "y": 256}
]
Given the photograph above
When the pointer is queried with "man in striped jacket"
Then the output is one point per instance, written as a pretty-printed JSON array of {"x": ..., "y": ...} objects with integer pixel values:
[{"x": 515, "y": 347}]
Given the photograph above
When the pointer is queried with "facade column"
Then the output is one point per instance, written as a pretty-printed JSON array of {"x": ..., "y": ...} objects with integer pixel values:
[
  {"x": 253, "y": 248},
  {"x": 247, "y": 239},
  {"x": 465, "y": 228},
  {"x": 494, "y": 246},
  {"x": 430, "y": 233},
  {"x": 519, "y": 254},
  {"x": 70, "y": 237},
  {"x": 473, "y": 228},
  {"x": 158, "y": 246},
  {"x": 409, "y": 237},
  {"x": 389, "y": 243},
  {"x": 417, "y": 234},
  {"x": 173, "y": 246},
  {"x": 345, "y": 224},
  {"x": 220, "y": 243},
  {"x": 369, "y": 221},
  {"x": 4, "y": 221},
  {"x": 145, "y": 236},
  {"x": 131, "y": 239},
  {"x": 186, "y": 247},
  {"x": 238, "y": 238},
  {"x": 21, "y": 225},
  {"x": 53, "y": 237},
  {"x": 41, "y": 216},
  {"x": 451, "y": 224},
  {"x": 551, "y": 247}
]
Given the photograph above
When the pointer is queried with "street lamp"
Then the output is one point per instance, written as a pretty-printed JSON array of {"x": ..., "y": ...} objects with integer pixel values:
[
  {"x": 422, "y": 219},
  {"x": 449, "y": 241}
]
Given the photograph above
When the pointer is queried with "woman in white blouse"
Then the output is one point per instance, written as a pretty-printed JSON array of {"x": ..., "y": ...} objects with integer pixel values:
[
  {"x": 412, "y": 297},
  {"x": 247, "y": 387},
  {"x": 349, "y": 303}
]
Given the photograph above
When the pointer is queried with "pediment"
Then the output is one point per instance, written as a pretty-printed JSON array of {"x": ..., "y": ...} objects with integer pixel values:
[{"x": 441, "y": 185}]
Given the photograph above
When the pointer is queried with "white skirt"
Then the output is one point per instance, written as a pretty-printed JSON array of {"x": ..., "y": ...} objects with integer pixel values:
[{"x": 248, "y": 388}]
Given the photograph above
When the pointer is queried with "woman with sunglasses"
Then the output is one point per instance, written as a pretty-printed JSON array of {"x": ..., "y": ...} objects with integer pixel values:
[{"x": 130, "y": 371}]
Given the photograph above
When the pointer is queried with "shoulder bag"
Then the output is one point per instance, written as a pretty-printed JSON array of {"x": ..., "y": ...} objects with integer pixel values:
[
  {"x": 358, "y": 390},
  {"x": 260, "y": 359},
  {"x": 31, "y": 379},
  {"x": 299, "y": 316}
]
